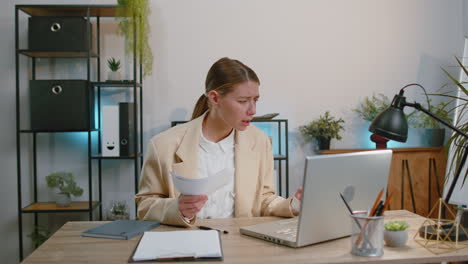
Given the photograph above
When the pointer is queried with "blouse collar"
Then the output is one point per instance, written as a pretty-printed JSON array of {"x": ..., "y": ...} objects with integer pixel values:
[{"x": 224, "y": 145}]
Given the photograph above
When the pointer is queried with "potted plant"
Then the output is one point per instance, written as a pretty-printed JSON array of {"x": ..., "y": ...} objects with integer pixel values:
[
  {"x": 435, "y": 131},
  {"x": 323, "y": 130},
  {"x": 133, "y": 15},
  {"x": 371, "y": 107},
  {"x": 460, "y": 142},
  {"x": 39, "y": 235},
  {"x": 118, "y": 211},
  {"x": 395, "y": 234},
  {"x": 65, "y": 182},
  {"x": 114, "y": 66}
]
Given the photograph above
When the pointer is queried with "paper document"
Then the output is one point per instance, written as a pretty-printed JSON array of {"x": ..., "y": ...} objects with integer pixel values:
[
  {"x": 179, "y": 244},
  {"x": 201, "y": 186}
]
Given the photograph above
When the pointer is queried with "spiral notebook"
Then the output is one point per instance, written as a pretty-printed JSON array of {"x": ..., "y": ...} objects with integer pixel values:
[{"x": 178, "y": 245}]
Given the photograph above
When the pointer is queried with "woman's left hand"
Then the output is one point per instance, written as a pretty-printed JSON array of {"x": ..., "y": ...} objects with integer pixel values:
[{"x": 298, "y": 194}]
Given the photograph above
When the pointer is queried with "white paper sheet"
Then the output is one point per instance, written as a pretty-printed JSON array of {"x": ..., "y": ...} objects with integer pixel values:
[
  {"x": 178, "y": 244},
  {"x": 201, "y": 186}
]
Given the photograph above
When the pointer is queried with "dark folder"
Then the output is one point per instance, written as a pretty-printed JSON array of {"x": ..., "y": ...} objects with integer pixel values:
[
  {"x": 126, "y": 129},
  {"x": 120, "y": 229}
]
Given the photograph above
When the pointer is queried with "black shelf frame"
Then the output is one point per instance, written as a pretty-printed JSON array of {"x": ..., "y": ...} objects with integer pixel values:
[
  {"x": 283, "y": 153},
  {"x": 88, "y": 12}
]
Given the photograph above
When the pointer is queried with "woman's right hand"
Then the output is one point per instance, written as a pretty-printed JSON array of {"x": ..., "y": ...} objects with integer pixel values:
[{"x": 190, "y": 205}]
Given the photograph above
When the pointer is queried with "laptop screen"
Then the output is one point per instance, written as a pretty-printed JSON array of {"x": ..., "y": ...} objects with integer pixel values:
[{"x": 359, "y": 176}]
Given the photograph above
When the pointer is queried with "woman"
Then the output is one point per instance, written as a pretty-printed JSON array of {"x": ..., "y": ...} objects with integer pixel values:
[{"x": 218, "y": 138}]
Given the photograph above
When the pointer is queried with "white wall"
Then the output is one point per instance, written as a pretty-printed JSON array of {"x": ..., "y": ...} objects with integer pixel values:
[{"x": 311, "y": 56}]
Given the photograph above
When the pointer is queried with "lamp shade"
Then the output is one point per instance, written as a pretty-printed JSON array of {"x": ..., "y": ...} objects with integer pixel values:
[{"x": 391, "y": 124}]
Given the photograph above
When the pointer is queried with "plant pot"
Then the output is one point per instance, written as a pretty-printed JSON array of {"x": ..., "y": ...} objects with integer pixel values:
[
  {"x": 435, "y": 136},
  {"x": 63, "y": 200},
  {"x": 113, "y": 217},
  {"x": 323, "y": 143},
  {"x": 396, "y": 238},
  {"x": 114, "y": 76}
]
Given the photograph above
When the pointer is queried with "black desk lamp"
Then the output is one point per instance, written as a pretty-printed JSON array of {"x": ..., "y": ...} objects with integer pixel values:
[{"x": 392, "y": 124}]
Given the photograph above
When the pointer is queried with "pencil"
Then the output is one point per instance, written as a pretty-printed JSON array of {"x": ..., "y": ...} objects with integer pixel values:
[
  {"x": 386, "y": 204},
  {"x": 376, "y": 203}
]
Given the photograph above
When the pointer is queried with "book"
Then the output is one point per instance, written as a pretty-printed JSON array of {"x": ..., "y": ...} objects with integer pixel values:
[
  {"x": 120, "y": 229},
  {"x": 179, "y": 245}
]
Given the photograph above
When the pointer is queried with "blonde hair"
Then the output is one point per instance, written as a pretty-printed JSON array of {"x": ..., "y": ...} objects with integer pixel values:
[{"x": 223, "y": 75}]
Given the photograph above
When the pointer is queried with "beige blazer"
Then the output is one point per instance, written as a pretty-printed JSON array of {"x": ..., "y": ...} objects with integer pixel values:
[{"x": 176, "y": 150}]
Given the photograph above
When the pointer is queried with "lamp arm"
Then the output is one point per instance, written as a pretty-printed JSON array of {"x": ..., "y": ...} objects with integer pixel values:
[
  {"x": 417, "y": 106},
  {"x": 465, "y": 154}
]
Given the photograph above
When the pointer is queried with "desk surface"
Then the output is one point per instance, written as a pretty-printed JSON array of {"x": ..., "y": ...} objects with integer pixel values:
[{"x": 67, "y": 246}]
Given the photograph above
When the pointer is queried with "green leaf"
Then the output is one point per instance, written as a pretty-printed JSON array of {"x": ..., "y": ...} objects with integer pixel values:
[{"x": 396, "y": 225}]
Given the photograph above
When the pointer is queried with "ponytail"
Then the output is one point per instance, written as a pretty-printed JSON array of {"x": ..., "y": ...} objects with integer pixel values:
[
  {"x": 222, "y": 77},
  {"x": 200, "y": 107}
]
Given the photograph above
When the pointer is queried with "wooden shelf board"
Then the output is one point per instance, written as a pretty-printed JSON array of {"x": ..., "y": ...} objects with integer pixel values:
[
  {"x": 421, "y": 149},
  {"x": 57, "y": 54},
  {"x": 51, "y": 206},
  {"x": 69, "y": 10},
  {"x": 115, "y": 157},
  {"x": 56, "y": 131},
  {"x": 279, "y": 157}
]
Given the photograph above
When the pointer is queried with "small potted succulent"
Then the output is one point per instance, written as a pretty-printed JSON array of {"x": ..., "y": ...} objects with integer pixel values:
[
  {"x": 118, "y": 211},
  {"x": 324, "y": 129},
  {"x": 65, "y": 182},
  {"x": 395, "y": 234},
  {"x": 114, "y": 66}
]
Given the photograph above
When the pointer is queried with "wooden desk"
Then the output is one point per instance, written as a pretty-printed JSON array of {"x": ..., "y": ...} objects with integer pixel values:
[{"x": 67, "y": 246}]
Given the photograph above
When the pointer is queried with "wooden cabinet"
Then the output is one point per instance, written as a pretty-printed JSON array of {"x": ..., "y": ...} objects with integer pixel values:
[{"x": 416, "y": 178}]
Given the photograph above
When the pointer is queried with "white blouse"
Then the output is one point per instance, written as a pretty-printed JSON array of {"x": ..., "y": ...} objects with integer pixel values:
[{"x": 212, "y": 158}]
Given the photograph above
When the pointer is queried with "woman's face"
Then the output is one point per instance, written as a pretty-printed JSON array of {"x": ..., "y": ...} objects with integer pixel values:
[{"x": 238, "y": 107}]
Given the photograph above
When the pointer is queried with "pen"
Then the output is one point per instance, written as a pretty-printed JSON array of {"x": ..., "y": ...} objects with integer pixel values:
[
  {"x": 378, "y": 211},
  {"x": 210, "y": 228},
  {"x": 386, "y": 204},
  {"x": 376, "y": 203}
]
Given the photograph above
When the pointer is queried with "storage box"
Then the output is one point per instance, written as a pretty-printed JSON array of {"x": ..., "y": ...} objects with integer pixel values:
[
  {"x": 58, "y": 34},
  {"x": 61, "y": 105}
]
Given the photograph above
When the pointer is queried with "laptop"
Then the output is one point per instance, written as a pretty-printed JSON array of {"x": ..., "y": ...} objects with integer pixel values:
[{"x": 359, "y": 176}]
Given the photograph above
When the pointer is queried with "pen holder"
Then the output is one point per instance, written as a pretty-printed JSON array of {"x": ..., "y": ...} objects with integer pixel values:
[{"x": 367, "y": 235}]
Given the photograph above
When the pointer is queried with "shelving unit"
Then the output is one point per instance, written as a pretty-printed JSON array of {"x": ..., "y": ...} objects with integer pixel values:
[
  {"x": 92, "y": 14},
  {"x": 282, "y": 157}
]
